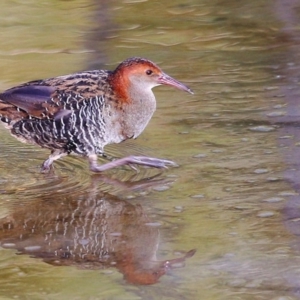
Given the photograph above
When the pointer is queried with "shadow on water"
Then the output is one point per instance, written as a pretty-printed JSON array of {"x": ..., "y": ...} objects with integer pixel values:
[
  {"x": 96, "y": 39},
  {"x": 92, "y": 230},
  {"x": 288, "y": 72}
]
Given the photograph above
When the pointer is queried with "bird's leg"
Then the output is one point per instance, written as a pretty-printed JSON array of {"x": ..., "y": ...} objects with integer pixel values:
[
  {"x": 138, "y": 160},
  {"x": 55, "y": 154}
]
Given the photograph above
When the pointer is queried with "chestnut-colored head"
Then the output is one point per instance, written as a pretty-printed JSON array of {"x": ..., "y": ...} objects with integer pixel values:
[{"x": 141, "y": 74}]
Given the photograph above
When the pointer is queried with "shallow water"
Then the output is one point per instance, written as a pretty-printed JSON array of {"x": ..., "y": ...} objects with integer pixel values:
[{"x": 234, "y": 197}]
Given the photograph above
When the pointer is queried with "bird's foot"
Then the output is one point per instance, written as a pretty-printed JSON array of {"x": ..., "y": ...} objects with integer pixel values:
[
  {"x": 130, "y": 160},
  {"x": 48, "y": 163},
  {"x": 46, "y": 166},
  {"x": 150, "y": 162}
]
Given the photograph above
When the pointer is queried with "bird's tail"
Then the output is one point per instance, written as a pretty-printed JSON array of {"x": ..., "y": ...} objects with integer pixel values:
[{"x": 9, "y": 112}]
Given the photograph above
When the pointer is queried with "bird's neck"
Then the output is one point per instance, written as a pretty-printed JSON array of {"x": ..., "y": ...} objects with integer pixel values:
[
  {"x": 139, "y": 111},
  {"x": 120, "y": 86},
  {"x": 135, "y": 102}
]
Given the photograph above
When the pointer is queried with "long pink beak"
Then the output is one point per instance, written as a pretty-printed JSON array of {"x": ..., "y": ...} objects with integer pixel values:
[{"x": 168, "y": 80}]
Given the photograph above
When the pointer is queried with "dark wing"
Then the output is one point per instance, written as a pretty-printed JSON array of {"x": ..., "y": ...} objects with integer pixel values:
[
  {"x": 33, "y": 99},
  {"x": 53, "y": 97}
]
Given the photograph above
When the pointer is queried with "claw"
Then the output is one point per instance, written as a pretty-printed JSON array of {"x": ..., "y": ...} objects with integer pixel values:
[
  {"x": 133, "y": 168},
  {"x": 48, "y": 163}
]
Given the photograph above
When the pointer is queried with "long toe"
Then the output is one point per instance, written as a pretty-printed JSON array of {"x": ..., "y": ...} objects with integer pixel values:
[
  {"x": 46, "y": 166},
  {"x": 130, "y": 160},
  {"x": 151, "y": 162},
  {"x": 45, "y": 169}
]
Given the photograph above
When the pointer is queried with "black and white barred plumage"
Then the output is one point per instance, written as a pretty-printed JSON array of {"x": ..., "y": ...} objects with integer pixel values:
[
  {"x": 82, "y": 112},
  {"x": 80, "y": 130}
]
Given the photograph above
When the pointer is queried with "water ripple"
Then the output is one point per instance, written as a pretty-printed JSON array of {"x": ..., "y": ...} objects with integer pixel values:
[{"x": 20, "y": 173}]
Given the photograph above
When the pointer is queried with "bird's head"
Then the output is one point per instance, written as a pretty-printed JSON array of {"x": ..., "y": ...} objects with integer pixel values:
[{"x": 143, "y": 74}]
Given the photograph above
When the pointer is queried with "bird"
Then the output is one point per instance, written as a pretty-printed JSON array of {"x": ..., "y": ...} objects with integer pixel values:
[{"x": 80, "y": 113}]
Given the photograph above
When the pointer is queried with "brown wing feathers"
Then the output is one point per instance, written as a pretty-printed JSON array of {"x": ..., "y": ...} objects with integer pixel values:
[
  {"x": 31, "y": 99},
  {"x": 51, "y": 98}
]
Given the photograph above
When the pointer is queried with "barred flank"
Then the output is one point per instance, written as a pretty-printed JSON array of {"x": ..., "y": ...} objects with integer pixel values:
[{"x": 80, "y": 130}]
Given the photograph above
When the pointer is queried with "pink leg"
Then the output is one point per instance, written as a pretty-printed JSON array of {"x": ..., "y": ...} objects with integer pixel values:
[
  {"x": 138, "y": 160},
  {"x": 56, "y": 154}
]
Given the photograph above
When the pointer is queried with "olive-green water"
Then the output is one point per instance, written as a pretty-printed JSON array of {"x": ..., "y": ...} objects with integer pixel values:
[{"x": 235, "y": 195}]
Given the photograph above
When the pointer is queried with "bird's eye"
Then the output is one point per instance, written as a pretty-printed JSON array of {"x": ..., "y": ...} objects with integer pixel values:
[{"x": 149, "y": 72}]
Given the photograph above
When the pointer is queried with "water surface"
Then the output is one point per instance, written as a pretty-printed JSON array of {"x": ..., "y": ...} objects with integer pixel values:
[{"x": 234, "y": 196}]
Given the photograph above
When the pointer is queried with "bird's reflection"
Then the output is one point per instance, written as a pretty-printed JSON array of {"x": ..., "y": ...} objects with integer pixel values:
[{"x": 92, "y": 230}]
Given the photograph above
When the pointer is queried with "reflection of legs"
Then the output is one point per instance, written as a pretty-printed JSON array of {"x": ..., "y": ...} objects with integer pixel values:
[
  {"x": 55, "y": 154},
  {"x": 138, "y": 160}
]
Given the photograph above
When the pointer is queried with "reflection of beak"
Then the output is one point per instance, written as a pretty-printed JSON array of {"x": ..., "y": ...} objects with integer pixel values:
[
  {"x": 178, "y": 262},
  {"x": 168, "y": 80}
]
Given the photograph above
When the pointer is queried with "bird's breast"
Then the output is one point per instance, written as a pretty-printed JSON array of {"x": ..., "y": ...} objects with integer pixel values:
[{"x": 129, "y": 120}]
